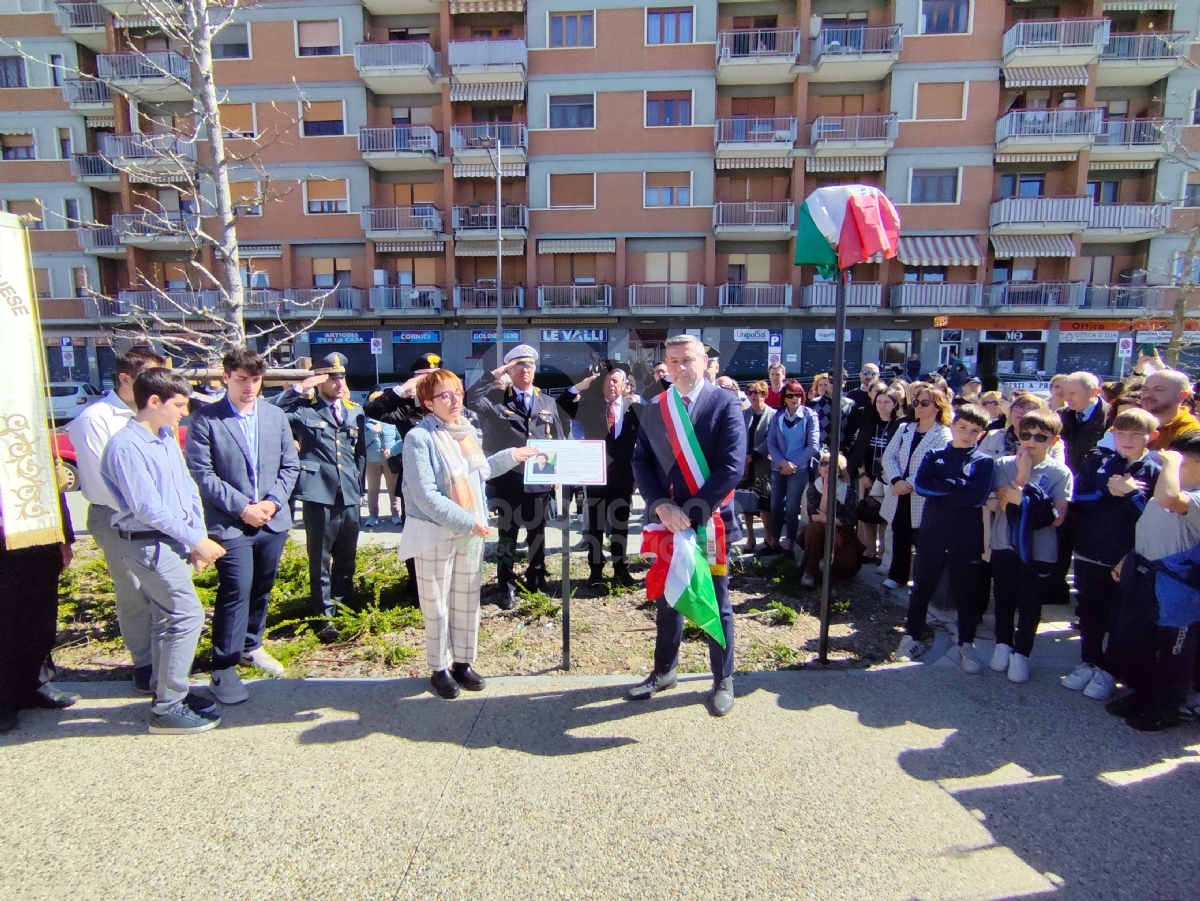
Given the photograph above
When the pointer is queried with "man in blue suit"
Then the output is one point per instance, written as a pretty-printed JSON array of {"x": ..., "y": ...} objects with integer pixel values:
[
  {"x": 716, "y": 418},
  {"x": 243, "y": 458}
]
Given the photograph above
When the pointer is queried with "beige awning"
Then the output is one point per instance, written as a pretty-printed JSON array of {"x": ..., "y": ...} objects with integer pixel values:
[
  {"x": 1117, "y": 165},
  {"x": 1046, "y": 77},
  {"x": 940, "y": 250},
  {"x": 488, "y": 248},
  {"x": 466, "y": 7},
  {"x": 485, "y": 170},
  {"x": 260, "y": 251},
  {"x": 410, "y": 246},
  {"x": 577, "y": 245},
  {"x": 755, "y": 162},
  {"x": 847, "y": 164},
  {"x": 480, "y": 93},
  {"x": 1002, "y": 158},
  {"x": 1009, "y": 246},
  {"x": 24, "y": 130},
  {"x": 1137, "y": 5},
  {"x": 99, "y": 121}
]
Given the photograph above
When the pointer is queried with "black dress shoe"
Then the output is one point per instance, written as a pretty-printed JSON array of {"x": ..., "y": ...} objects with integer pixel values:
[
  {"x": 652, "y": 685},
  {"x": 8, "y": 721},
  {"x": 622, "y": 578},
  {"x": 464, "y": 674},
  {"x": 722, "y": 696},
  {"x": 328, "y": 634},
  {"x": 596, "y": 583},
  {"x": 46, "y": 698},
  {"x": 143, "y": 679},
  {"x": 1154, "y": 720},
  {"x": 444, "y": 684},
  {"x": 508, "y": 597},
  {"x": 1127, "y": 705}
]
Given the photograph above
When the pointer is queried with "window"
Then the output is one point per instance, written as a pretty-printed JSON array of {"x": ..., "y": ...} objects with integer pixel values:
[
  {"x": 668, "y": 189},
  {"x": 1103, "y": 192},
  {"x": 326, "y": 196},
  {"x": 323, "y": 118},
  {"x": 945, "y": 16},
  {"x": 1191, "y": 195},
  {"x": 940, "y": 101},
  {"x": 926, "y": 274},
  {"x": 319, "y": 38},
  {"x": 934, "y": 186},
  {"x": 12, "y": 72},
  {"x": 41, "y": 283},
  {"x": 409, "y": 34},
  {"x": 669, "y": 26},
  {"x": 329, "y": 272},
  {"x": 1023, "y": 185},
  {"x": 233, "y": 42},
  {"x": 237, "y": 120},
  {"x": 247, "y": 198},
  {"x": 1192, "y": 270},
  {"x": 571, "y": 30},
  {"x": 573, "y": 190},
  {"x": 666, "y": 108},
  {"x": 573, "y": 111},
  {"x": 56, "y": 69},
  {"x": 64, "y": 143},
  {"x": 79, "y": 278},
  {"x": 18, "y": 147},
  {"x": 29, "y": 208},
  {"x": 1196, "y": 108},
  {"x": 662, "y": 266},
  {"x": 71, "y": 213}
]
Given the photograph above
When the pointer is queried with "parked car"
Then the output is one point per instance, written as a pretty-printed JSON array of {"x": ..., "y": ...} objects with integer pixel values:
[
  {"x": 64, "y": 450},
  {"x": 68, "y": 398}
]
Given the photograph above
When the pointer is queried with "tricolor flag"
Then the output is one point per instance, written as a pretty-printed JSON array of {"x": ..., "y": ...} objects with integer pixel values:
[{"x": 843, "y": 225}]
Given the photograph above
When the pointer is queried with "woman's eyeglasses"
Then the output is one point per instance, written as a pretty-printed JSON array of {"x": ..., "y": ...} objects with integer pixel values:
[
  {"x": 449, "y": 396},
  {"x": 991, "y": 403},
  {"x": 755, "y": 393},
  {"x": 923, "y": 403},
  {"x": 1037, "y": 437},
  {"x": 791, "y": 397}
]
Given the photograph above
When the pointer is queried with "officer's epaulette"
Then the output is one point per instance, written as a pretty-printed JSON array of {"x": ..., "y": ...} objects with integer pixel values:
[{"x": 350, "y": 403}]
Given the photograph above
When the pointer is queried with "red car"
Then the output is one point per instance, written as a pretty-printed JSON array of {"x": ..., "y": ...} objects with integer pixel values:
[{"x": 65, "y": 451}]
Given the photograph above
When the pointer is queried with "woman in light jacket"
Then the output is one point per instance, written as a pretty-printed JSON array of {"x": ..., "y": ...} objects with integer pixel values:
[
  {"x": 445, "y": 524},
  {"x": 793, "y": 440},
  {"x": 383, "y": 440},
  {"x": 757, "y": 477}
]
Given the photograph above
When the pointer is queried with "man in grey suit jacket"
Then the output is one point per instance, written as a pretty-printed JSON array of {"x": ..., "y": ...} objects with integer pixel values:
[{"x": 241, "y": 453}]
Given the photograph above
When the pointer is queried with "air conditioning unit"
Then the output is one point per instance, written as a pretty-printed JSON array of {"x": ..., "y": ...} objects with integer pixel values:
[
  {"x": 725, "y": 53},
  {"x": 382, "y": 277}
]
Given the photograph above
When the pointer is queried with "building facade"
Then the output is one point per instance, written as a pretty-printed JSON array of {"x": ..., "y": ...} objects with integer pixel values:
[{"x": 635, "y": 168}]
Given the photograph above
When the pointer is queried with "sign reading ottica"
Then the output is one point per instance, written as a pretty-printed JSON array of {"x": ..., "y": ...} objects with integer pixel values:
[
  {"x": 429, "y": 336},
  {"x": 574, "y": 335},
  {"x": 340, "y": 337},
  {"x": 1105, "y": 336},
  {"x": 488, "y": 336}
]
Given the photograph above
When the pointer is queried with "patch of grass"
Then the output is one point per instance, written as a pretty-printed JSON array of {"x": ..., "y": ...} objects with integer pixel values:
[
  {"x": 291, "y": 653},
  {"x": 777, "y": 614},
  {"x": 583, "y": 627},
  {"x": 782, "y": 653},
  {"x": 536, "y": 605},
  {"x": 390, "y": 653},
  {"x": 85, "y": 589},
  {"x": 693, "y": 633},
  {"x": 839, "y": 605},
  {"x": 353, "y": 624},
  {"x": 784, "y": 575},
  {"x": 510, "y": 642}
]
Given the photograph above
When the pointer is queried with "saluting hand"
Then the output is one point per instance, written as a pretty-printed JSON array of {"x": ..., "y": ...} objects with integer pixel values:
[{"x": 312, "y": 381}]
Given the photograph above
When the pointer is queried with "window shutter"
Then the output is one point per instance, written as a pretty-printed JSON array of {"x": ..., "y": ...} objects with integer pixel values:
[
  {"x": 940, "y": 101},
  {"x": 326, "y": 190},
  {"x": 323, "y": 111},
  {"x": 237, "y": 118},
  {"x": 319, "y": 34},
  {"x": 571, "y": 190},
  {"x": 668, "y": 179}
]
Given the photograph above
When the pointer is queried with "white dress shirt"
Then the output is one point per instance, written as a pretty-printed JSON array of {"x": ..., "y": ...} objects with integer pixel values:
[{"x": 90, "y": 433}]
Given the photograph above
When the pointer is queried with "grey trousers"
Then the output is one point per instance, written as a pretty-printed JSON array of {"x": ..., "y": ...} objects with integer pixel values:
[
  {"x": 133, "y": 606},
  {"x": 176, "y": 616}
]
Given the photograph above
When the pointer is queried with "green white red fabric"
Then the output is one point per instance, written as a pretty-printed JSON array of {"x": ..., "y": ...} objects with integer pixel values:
[
  {"x": 842, "y": 225},
  {"x": 686, "y": 561}
]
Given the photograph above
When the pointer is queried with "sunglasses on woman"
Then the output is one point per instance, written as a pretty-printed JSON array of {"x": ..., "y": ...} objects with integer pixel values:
[
  {"x": 755, "y": 393},
  {"x": 1037, "y": 437},
  {"x": 791, "y": 397},
  {"x": 923, "y": 403},
  {"x": 991, "y": 403}
]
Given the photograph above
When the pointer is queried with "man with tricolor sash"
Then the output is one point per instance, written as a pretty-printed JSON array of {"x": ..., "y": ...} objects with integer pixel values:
[{"x": 687, "y": 461}]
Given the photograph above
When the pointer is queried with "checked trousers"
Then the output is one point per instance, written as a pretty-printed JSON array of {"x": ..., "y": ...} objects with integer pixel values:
[{"x": 448, "y": 587}]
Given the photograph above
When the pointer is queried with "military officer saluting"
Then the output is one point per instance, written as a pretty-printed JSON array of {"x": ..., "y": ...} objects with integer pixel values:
[
  {"x": 329, "y": 429},
  {"x": 510, "y": 416}
]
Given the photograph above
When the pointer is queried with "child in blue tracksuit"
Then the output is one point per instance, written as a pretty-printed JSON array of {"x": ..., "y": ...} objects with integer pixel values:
[
  {"x": 956, "y": 482},
  {"x": 1111, "y": 491}
]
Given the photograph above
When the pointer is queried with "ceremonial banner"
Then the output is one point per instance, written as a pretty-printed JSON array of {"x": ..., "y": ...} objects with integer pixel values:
[
  {"x": 28, "y": 484},
  {"x": 840, "y": 226}
]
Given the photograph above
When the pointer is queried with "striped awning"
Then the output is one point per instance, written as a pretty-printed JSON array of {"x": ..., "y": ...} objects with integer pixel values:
[
  {"x": 17, "y": 130},
  {"x": 1002, "y": 158},
  {"x": 1137, "y": 5},
  {"x": 259, "y": 251},
  {"x": 755, "y": 162},
  {"x": 410, "y": 246},
  {"x": 479, "y": 93},
  {"x": 488, "y": 249},
  {"x": 940, "y": 250},
  {"x": 485, "y": 170},
  {"x": 846, "y": 164},
  {"x": 1117, "y": 165},
  {"x": 465, "y": 7},
  {"x": 1009, "y": 246},
  {"x": 99, "y": 121},
  {"x": 1046, "y": 77},
  {"x": 577, "y": 245}
]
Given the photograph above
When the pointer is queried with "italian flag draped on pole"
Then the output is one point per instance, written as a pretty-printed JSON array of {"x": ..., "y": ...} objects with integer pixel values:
[
  {"x": 843, "y": 225},
  {"x": 686, "y": 561}
]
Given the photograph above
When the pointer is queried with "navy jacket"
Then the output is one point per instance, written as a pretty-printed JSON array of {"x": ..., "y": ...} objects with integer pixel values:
[
  {"x": 1104, "y": 524},
  {"x": 333, "y": 458},
  {"x": 955, "y": 483}
]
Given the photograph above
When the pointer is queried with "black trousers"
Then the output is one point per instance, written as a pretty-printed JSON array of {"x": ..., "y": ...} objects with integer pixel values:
[
  {"x": 515, "y": 512},
  {"x": 669, "y": 634},
  {"x": 967, "y": 579},
  {"x": 904, "y": 536},
  {"x": 28, "y": 621},
  {"x": 246, "y": 576},
  {"x": 606, "y": 508},
  {"x": 332, "y": 534},
  {"x": 1021, "y": 589},
  {"x": 1060, "y": 591},
  {"x": 1099, "y": 598}
]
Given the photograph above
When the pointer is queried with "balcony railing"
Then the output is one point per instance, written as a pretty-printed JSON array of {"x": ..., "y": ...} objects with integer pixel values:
[
  {"x": 407, "y": 297},
  {"x": 483, "y": 218},
  {"x": 86, "y": 90},
  {"x": 483, "y": 137},
  {"x": 1148, "y": 46},
  {"x": 329, "y": 299},
  {"x": 664, "y": 296},
  {"x": 571, "y": 297},
  {"x": 475, "y": 54},
  {"x": 824, "y": 294},
  {"x": 92, "y": 165},
  {"x": 137, "y": 66},
  {"x": 80, "y": 15},
  {"x": 1047, "y": 34},
  {"x": 1124, "y": 297},
  {"x": 167, "y": 224},
  {"x": 1138, "y": 132},
  {"x": 1037, "y": 294},
  {"x": 855, "y": 129},
  {"x": 755, "y": 214},
  {"x": 98, "y": 238},
  {"x": 168, "y": 301},
  {"x": 263, "y": 300},
  {"x": 855, "y": 40},
  {"x": 401, "y": 218},
  {"x": 1137, "y": 216},
  {"x": 476, "y": 298},
  {"x": 1035, "y": 210},
  {"x": 162, "y": 147},
  {"x": 1042, "y": 123},
  {"x": 759, "y": 43},
  {"x": 396, "y": 55},
  {"x": 934, "y": 295},
  {"x": 399, "y": 139},
  {"x": 758, "y": 296},
  {"x": 777, "y": 130}
]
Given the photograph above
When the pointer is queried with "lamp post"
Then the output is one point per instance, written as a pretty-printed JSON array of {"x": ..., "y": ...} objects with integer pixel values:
[{"x": 499, "y": 246}]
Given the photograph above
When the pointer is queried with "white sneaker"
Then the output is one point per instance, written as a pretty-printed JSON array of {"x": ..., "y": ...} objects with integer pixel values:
[
  {"x": 262, "y": 658},
  {"x": 1000, "y": 658},
  {"x": 883, "y": 567},
  {"x": 370, "y": 522},
  {"x": 1080, "y": 678},
  {"x": 968, "y": 659},
  {"x": 227, "y": 686},
  {"x": 1018, "y": 668},
  {"x": 910, "y": 648},
  {"x": 891, "y": 584},
  {"x": 1101, "y": 687},
  {"x": 397, "y": 521}
]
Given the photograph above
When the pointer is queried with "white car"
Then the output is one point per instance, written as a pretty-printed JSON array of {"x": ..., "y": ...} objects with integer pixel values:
[{"x": 68, "y": 398}]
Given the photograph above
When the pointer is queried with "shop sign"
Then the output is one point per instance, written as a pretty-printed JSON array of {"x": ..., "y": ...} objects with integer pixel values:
[
  {"x": 429, "y": 336},
  {"x": 1094, "y": 325},
  {"x": 488, "y": 336},
  {"x": 574, "y": 335},
  {"x": 1012, "y": 336},
  {"x": 829, "y": 334},
  {"x": 340, "y": 337},
  {"x": 1098, "y": 337},
  {"x": 1163, "y": 336},
  {"x": 752, "y": 334}
]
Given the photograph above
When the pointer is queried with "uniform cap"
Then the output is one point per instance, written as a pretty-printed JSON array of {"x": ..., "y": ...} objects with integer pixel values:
[
  {"x": 334, "y": 364},
  {"x": 426, "y": 362},
  {"x": 520, "y": 354}
]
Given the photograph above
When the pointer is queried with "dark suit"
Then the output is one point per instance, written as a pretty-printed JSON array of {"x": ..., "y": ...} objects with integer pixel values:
[
  {"x": 1079, "y": 439},
  {"x": 720, "y": 430},
  {"x": 229, "y": 480},
  {"x": 333, "y": 463},
  {"x": 506, "y": 423}
]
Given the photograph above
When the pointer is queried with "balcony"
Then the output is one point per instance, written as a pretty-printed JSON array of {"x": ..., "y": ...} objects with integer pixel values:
[
  {"x": 478, "y": 223},
  {"x": 1055, "y": 42},
  {"x": 477, "y": 298},
  {"x": 488, "y": 62},
  {"x": 166, "y": 230},
  {"x": 101, "y": 241},
  {"x": 1125, "y": 297},
  {"x": 331, "y": 301},
  {"x": 87, "y": 95},
  {"x": 165, "y": 302},
  {"x": 751, "y": 297},
  {"x": 755, "y": 220},
  {"x": 263, "y": 302},
  {"x": 928, "y": 296},
  {"x": 1048, "y": 130},
  {"x": 400, "y": 148},
  {"x": 473, "y": 143},
  {"x": 854, "y": 135},
  {"x": 150, "y": 156},
  {"x": 397, "y": 7},
  {"x": 398, "y": 67},
  {"x": 823, "y": 295},
  {"x": 574, "y": 297},
  {"x": 396, "y": 298},
  {"x": 1036, "y": 297},
  {"x": 773, "y": 138},
  {"x": 83, "y": 22},
  {"x": 664, "y": 298},
  {"x": 758, "y": 55},
  {"x": 130, "y": 10},
  {"x": 855, "y": 53},
  {"x": 1127, "y": 221},
  {"x": 93, "y": 169},
  {"x": 390, "y": 223},
  {"x": 1041, "y": 215},
  {"x": 1136, "y": 139},
  {"x": 1132, "y": 60},
  {"x": 156, "y": 77}
]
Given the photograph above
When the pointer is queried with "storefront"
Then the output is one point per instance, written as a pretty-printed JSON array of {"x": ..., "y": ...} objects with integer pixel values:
[
  {"x": 1085, "y": 349},
  {"x": 1006, "y": 352},
  {"x": 483, "y": 346},
  {"x": 67, "y": 360},
  {"x": 816, "y": 351},
  {"x": 355, "y": 346},
  {"x": 566, "y": 353},
  {"x": 408, "y": 345},
  {"x": 750, "y": 352}
]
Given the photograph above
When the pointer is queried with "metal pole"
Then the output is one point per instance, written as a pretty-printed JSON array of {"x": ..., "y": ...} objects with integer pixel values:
[
  {"x": 566, "y": 580},
  {"x": 499, "y": 259},
  {"x": 835, "y": 440}
]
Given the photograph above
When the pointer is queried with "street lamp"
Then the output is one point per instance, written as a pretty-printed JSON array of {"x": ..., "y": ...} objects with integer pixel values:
[{"x": 489, "y": 140}]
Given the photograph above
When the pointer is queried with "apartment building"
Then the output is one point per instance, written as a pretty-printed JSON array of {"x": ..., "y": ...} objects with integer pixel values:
[{"x": 650, "y": 157}]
